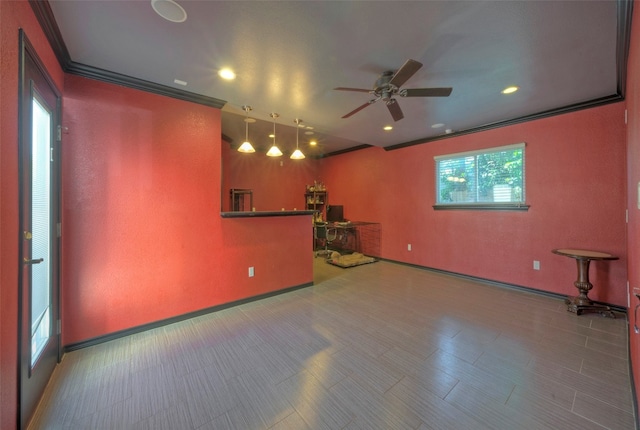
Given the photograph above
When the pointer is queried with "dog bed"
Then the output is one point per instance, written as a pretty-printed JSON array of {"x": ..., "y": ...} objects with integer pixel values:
[{"x": 349, "y": 260}]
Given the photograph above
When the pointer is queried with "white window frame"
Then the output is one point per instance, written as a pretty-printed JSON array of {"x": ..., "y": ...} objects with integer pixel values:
[{"x": 468, "y": 192}]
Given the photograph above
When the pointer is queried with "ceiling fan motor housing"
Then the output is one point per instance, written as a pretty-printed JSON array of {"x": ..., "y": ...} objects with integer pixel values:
[{"x": 383, "y": 88}]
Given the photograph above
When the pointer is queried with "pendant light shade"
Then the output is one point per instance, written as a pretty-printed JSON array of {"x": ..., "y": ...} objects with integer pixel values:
[
  {"x": 274, "y": 151},
  {"x": 246, "y": 146},
  {"x": 297, "y": 154}
]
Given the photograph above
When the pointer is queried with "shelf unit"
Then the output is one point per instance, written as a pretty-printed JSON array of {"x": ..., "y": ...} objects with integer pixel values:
[{"x": 316, "y": 201}]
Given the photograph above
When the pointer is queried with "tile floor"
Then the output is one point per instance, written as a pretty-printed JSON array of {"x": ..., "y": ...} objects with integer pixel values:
[{"x": 380, "y": 346}]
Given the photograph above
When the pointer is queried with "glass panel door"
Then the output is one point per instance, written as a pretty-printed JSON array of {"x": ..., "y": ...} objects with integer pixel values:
[
  {"x": 39, "y": 320},
  {"x": 40, "y": 226}
]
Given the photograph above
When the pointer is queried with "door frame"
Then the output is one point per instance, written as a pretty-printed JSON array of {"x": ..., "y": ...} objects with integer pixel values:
[{"x": 27, "y": 53}]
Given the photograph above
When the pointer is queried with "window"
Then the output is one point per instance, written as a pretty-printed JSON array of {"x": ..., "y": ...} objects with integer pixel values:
[{"x": 491, "y": 178}]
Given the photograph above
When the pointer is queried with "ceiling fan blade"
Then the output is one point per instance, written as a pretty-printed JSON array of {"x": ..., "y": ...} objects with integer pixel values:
[
  {"x": 405, "y": 72},
  {"x": 359, "y": 108},
  {"x": 426, "y": 92},
  {"x": 360, "y": 90},
  {"x": 394, "y": 110}
]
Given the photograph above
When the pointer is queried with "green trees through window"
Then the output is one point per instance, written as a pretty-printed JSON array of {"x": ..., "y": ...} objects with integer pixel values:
[{"x": 489, "y": 176}]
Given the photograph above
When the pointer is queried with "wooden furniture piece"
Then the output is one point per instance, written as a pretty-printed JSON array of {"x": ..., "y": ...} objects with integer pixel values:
[
  {"x": 237, "y": 196},
  {"x": 316, "y": 201},
  {"x": 582, "y": 303}
]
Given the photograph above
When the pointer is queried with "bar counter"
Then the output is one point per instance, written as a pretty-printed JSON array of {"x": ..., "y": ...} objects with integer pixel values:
[{"x": 258, "y": 214}]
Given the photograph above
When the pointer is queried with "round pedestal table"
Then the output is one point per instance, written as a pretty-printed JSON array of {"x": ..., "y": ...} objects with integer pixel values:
[{"x": 582, "y": 303}]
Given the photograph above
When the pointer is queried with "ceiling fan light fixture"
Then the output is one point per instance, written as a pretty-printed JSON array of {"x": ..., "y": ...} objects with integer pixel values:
[
  {"x": 169, "y": 10},
  {"x": 297, "y": 154},
  {"x": 246, "y": 146},
  {"x": 274, "y": 151}
]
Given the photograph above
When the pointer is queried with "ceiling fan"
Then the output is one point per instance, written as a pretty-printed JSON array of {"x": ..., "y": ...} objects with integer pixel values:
[{"x": 388, "y": 85}]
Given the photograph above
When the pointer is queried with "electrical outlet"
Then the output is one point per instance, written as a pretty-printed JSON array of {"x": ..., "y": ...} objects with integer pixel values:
[
  {"x": 536, "y": 265},
  {"x": 408, "y": 247},
  {"x": 251, "y": 272}
]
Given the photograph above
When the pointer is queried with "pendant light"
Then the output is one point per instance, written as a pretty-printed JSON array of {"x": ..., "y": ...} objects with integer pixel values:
[
  {"x": 297, "y": 154},
  {"x": 274, "y": 151},
  {"x": 246, "y": 146}
]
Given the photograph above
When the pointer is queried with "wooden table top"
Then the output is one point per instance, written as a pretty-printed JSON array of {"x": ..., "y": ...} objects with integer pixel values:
[{"x": 584, "y": 254}]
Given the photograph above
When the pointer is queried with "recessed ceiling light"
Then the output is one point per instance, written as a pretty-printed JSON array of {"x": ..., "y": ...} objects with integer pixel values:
[
  {"x": 227, "y": 74},
  {"x": 249, "y": 120},
  {"x": 510, "y": 90},
  {"x": 309, "y": 133},
  {"x": 387, "y": 128},
  {"x": 179, "y": 82},
  {"x": 313, "y": 143},
  {"x": 169, "y": 10},
  {"x": 309, "y": 127},
  {"x": 438, "y": 125}
]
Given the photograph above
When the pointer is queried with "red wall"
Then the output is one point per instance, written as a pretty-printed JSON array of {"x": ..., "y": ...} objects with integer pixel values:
[
  {"x": 576, "y": 186},
  {"x": 13, "y": 16},
  {"x": 276, "y": 182},
  {"x": 142, "y": 235},
  {"x": 143, "y": 239},
  {"x": 633, "y": 167}
]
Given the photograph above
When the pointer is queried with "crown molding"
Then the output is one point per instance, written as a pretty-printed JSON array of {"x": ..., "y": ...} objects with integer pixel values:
[{"x": 44, "y": 14}]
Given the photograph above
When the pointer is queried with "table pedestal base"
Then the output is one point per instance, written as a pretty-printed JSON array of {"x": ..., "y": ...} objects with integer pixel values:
[
  {"x": 578, "y": 305},
  {"x": 582, "y": 303}
]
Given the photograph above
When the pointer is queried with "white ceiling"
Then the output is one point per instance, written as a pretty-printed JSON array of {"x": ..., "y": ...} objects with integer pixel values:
[{"x": 289, "y": 55}]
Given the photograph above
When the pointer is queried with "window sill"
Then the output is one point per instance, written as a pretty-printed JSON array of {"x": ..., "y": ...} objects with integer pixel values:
[{"x": 482, "y": 207}]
